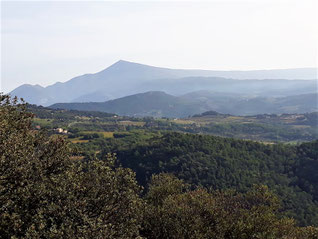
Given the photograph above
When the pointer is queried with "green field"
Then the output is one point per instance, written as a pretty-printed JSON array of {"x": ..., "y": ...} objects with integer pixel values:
[{"x": 286, "y": 128}]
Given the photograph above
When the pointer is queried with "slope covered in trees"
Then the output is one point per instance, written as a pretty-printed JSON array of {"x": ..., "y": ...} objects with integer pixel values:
[
  {"x": 160, "y": 104},
  {"x": 46, "y": 192},
  {"x": 222, "y": 163}
]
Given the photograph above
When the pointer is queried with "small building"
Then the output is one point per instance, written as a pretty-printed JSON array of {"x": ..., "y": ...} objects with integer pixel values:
[{"x": 61, "y": 131}]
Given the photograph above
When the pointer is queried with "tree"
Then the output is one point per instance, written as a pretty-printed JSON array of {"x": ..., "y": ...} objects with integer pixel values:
[
  {"x": 46, "y": 194},
  {"x": 217, "y": 214}
]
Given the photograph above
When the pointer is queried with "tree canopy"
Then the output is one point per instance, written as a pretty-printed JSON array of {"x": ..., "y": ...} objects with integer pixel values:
[{"x": 47, "y": 192}]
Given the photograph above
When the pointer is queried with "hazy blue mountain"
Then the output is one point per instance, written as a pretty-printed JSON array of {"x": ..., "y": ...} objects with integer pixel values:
[
  {"x": 153, "y": 103},
  {"x": 98, "y": 96},
  {"x": 270, "y": 87},
  {"x": 32, "y": 94},
  {"x": 160, "y": 104},
  {"x": 126, "y": 78},
  {"x": 241, "y": 104},
  {"x": 261, "y": 105}
]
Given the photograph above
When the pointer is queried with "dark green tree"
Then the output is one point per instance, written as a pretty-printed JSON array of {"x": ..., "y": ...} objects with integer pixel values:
[
  {"x": 217, "y": 214},
  {"x": 44, "y": 193}
]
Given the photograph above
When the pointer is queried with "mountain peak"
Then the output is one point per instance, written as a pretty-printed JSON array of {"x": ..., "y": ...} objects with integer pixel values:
[
  {"x": 123, "y": 62},
  {"x": 121, "y": 65},
  {"x": 28, "y": 86},
  {"x": 128, "y": 69},
  {"x": 126, "y": 78}
]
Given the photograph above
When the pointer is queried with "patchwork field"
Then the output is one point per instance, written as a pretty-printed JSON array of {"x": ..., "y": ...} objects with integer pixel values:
[{"x": 81, "y": 126}]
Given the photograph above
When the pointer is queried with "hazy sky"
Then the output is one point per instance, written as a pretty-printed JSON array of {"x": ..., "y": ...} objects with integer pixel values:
[{"x": 45, "y": 42}]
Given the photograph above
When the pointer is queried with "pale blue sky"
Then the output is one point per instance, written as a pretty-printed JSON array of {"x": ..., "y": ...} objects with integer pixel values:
[{"x": 46, "y": 42}]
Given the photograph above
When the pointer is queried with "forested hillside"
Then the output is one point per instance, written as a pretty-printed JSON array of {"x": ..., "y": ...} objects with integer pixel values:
[
  {"x": 159, "y": 104},
  {"x": 47, "y": 191},
  {"x": 220, "y": 163}
]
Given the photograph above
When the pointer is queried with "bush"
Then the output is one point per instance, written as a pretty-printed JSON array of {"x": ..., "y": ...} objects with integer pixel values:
[{"x": 46, "y": 194}]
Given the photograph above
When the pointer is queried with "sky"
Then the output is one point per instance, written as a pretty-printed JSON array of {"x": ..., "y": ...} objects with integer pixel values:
[{"x": 43, "y": 42}]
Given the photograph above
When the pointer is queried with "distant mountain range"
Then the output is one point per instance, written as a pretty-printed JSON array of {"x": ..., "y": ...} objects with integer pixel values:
[
  {"x": 126, "y": 78},
  {"x": 160, "y": 104}
]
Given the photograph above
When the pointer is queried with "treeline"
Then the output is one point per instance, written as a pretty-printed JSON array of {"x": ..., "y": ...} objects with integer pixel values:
[{"x": 48, "y": 113}]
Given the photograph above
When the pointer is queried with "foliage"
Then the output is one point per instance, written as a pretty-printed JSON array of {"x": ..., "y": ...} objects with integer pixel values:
[
  {"x": 227, "y": 214},
  {"x": 45, "y": 194},
  {"x": 222, "y": 163}
]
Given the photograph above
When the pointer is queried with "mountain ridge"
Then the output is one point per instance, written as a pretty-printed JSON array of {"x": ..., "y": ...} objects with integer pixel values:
[
  {"x": 161, "y": 104},
  {"x": 125, "y": 78}
]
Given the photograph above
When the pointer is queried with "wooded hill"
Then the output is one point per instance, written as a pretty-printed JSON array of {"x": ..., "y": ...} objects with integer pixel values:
[
  {"x": 220, "y": 163},
  {"x": 48, "y": 191},
  {"x": 149, "y": 147},
  {"x": 159, "y": 104}
]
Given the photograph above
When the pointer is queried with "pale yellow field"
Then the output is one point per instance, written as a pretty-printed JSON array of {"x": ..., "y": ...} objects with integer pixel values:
[
  {"x": 134, "y": 123},
  {"x": 180, "y": 121},
  {"x": 76, "y": 141},
  {"x": 77, "y": 157},
  {"x": 106, "y": 134}
]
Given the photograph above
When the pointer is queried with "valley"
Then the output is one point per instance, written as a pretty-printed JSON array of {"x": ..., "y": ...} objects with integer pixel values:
[
  {"x": 268, "y": 128},
  {"x": 274, "y": 150}
]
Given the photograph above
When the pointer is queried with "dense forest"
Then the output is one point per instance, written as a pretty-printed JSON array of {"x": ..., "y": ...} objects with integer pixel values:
[
  {"x": 162, "y": 184},
  {"x": 223, "y": 163},
  {"x": 150, "y": 146}
]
